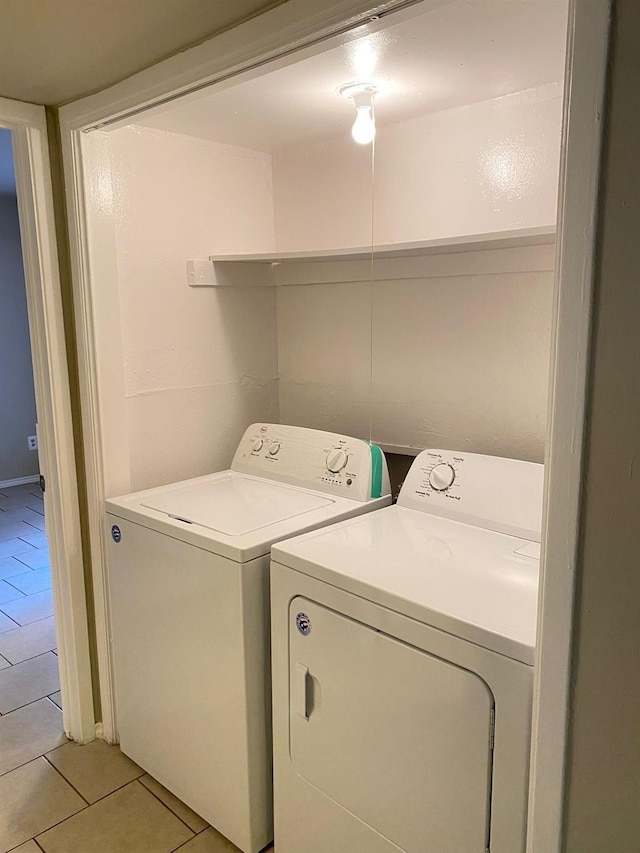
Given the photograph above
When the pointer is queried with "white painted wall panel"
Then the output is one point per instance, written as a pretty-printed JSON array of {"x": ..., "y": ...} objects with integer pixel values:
[
  {"x": 194, "y": 430},
  {"x": 458, "y": 361},
  {"x": 322, "y": 195},
  {"x": 463, "y": 363},
  {"x": 324, "y": 356},
  {"x": 485, "y": 167},
  {"x": 109, "y": 352},
  {"x": 488, "y": 166},
  {"x": 199, "y": 364}
]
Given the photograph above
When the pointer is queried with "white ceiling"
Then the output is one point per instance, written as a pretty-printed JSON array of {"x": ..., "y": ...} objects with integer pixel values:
[
  {"x": 460, "y": 52},
  {"x": 54, "y": 51}
]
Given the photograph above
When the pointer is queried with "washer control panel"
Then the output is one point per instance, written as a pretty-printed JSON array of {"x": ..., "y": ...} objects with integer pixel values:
[
  {"x": 314, "y": 459},
  {"x": 498, "y": 494}
]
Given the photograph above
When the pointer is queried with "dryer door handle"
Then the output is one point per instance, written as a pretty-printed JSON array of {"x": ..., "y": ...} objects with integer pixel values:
[{"x": 299, "y": 690}]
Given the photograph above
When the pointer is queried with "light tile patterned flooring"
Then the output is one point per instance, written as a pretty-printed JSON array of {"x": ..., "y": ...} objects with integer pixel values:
[{"x": 57, "y": 796}]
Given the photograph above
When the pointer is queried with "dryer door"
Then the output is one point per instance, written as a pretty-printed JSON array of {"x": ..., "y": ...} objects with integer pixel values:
[{"x": 397, "y": 737}]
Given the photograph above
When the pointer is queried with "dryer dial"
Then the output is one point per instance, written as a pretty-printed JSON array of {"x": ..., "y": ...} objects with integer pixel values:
[
  {"x": 274, "y": 448},
  {"x": 441, "y": 477},
  {"x": 257, "y": 445}
]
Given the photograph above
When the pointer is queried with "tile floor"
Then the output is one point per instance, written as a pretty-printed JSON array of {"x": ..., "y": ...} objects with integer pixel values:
[{"x": 57, "y": 796}]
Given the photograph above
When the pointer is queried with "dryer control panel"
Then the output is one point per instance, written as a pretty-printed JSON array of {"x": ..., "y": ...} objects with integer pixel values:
[
  {"x": 498, "y": 494},
  {"x": 313, "y": 459}
]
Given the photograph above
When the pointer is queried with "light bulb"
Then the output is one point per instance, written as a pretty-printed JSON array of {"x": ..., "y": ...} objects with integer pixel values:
[
  {"x": 361, "y": 95},
  {"x": 364, "y": 127}
]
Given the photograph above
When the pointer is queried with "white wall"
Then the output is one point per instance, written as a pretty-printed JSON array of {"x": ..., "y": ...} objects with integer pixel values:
[
  {"x": 17, "y": 400},
  {"x": 459, "y": 359},
  {"x": 489, "y": 166},
  {"x": 198, "y": 365},
  {"x": 460, "y": 352}
]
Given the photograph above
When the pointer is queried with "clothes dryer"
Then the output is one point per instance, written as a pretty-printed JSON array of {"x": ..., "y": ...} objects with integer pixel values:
[
  {"x": 188, "y": 573},
  {"x": 403, "y": 650}
]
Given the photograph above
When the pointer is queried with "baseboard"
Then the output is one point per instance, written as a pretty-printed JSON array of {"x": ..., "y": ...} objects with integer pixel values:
[{"x": 20, "y": 481}]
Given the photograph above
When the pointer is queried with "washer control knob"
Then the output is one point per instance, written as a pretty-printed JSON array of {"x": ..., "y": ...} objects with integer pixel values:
[
  {"x": 336, "y": 460},
  {"x": 274, "y": 448},
  {"x": 441, "y": 477},
  {"x": 257, "y": 445}
]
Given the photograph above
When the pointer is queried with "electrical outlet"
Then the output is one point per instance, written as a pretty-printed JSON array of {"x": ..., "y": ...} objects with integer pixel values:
[{"x": 32, "y": 442}]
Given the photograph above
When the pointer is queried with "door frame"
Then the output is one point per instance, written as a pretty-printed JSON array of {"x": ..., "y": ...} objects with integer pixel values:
[
  {"x": 291, "y": 26},
  {"x": 53, "y": 406},
  {"x": 585, "y": 85}
]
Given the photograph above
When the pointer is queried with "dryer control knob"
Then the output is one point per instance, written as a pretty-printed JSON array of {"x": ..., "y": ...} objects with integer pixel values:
[
  {"x": 336, "y": 460},
  {"x": 274, "y": 448},
  {"x": 441, "y": 477},
  {"x": 257, "y": 445}
]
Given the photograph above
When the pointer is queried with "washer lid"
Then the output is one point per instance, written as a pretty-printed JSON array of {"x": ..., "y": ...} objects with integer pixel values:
[{"x": 234, "y": 506}]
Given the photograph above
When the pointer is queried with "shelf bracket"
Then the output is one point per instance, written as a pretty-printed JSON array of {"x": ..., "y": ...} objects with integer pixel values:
[{"x": 208, "y": 273}]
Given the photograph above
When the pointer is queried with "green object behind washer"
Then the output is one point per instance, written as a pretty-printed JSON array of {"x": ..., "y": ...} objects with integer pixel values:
[{"x": 376, "y": 471}]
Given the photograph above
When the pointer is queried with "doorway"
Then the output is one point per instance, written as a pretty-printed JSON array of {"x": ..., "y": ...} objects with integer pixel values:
[
  {"x": 247, "y": 50},
  {"x": 62, "y": 590},
  {"x": 28, "y": 660}
]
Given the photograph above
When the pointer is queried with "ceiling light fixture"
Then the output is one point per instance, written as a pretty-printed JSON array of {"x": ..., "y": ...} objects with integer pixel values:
[{"x": 362, "y": 94}]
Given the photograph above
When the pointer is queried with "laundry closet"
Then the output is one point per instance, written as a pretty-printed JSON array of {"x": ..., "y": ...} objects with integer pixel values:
[
  {"x": 253, "y": 262},
  {"x": 357, "y": 237}
]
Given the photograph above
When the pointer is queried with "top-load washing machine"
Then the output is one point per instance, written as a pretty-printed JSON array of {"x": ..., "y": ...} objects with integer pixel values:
[
  {"x": 402, "y": 652},
  {"x": 188, "y": 572}
]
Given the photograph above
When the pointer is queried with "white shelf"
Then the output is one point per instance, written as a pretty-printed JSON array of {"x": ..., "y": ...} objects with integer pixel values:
[
  {"x": 353, "y": 263},
  {"x": 466, "y": 243}
]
